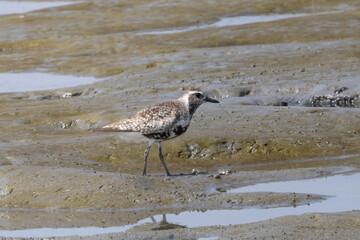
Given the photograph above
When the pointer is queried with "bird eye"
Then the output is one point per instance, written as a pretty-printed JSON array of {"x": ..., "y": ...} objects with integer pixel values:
[{"x": 198, "y": 95}]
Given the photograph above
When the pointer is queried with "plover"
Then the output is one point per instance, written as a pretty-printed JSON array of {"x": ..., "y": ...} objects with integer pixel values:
[{"x": 163, "y": 121}]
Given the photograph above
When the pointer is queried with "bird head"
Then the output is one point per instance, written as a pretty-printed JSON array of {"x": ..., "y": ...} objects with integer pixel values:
[{"x": 194, "y": 98}]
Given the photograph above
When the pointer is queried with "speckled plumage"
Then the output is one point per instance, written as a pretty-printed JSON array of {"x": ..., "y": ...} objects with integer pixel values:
[
  {"x": 153, "y": 120},
  {"x": 162, "y": 121}
]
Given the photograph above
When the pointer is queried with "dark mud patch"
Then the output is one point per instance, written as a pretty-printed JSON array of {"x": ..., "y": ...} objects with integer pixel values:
[{"x": 335, "y": 101}]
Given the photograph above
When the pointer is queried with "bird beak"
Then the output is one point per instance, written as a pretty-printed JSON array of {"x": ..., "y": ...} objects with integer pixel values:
[{"x": 207, "y": 99}]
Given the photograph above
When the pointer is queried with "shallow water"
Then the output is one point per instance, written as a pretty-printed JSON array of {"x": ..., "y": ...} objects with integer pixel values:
[
  {"x": 341, "y": 189},
  {"x": 23, "y": 82},
  {"x": 235, "y": 21},
  {"x": 15, "y": 7},
  {"x": 62, "y": 232}
]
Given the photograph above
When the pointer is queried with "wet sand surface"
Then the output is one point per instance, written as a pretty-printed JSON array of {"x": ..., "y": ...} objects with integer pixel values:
[{"x": 55, "y": 173}]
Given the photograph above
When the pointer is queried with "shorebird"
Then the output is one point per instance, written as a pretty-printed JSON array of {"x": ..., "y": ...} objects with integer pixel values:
[{"x": 163, "y": 121}]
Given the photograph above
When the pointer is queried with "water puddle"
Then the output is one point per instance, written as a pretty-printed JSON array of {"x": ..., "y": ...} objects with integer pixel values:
[
  {"x": 344, "y": 195},
  {"x": 60, "y": 232},
  {"x": 342, "y": 191},
  {"x": 234, "y": 21},
  {"x": 15, "y": 7},
  {"x": 23, "y": 82}
]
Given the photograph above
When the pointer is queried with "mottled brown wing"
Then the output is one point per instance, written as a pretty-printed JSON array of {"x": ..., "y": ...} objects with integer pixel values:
[
  {"x": 158, "y": 118},
  {"x": 154, "y": 119}
]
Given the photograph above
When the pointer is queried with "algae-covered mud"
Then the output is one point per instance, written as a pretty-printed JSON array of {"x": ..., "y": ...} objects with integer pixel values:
[{"x": 286, "y": 75}]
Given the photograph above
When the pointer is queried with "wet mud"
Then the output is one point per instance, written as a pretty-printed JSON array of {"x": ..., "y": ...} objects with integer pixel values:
[{"x": 289, "y": 110}]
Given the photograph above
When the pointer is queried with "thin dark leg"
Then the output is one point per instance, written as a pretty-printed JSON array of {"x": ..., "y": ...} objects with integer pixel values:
[
  {"x": 151, "y": 142},
  {"x": 153, "y": 219},
  {"x": 162, "y": 160}
]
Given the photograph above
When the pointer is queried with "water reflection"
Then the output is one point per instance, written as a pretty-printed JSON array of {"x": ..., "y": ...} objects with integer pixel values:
[{"x": 163, "y": 224}]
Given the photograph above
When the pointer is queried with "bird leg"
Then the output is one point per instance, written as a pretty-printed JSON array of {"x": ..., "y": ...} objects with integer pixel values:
[
  {"x": 151, "y": 142},
  {"x": 153, "y": 220},
  {"x": 162, "y": 160}
]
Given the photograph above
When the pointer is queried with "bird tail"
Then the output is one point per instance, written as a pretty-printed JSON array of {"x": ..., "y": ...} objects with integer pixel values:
[
  {"x": 123, "y": 126},
  {"x": 103, "y": 129}
]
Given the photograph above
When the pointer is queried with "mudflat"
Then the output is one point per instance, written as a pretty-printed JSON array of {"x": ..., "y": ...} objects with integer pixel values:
[{"x": 289, "y": 96}]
